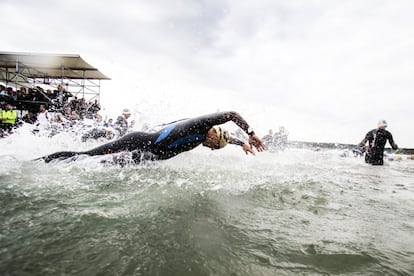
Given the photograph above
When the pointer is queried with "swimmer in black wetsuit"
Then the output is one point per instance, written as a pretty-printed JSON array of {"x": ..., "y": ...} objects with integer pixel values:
[
  {"x": 377, "y": 138},
  {"x": 175, "y": 138}
]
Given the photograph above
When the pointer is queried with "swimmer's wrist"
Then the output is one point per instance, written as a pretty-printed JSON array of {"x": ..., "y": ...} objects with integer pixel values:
[
  {"x": 250, "y": 132},
  {"x": 236, "y": 142}
]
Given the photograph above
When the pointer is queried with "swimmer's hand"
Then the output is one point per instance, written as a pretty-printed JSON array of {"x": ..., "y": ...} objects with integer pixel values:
[
  {"x": 248, "y": 148},
  {"x": 255, "y": 141}
]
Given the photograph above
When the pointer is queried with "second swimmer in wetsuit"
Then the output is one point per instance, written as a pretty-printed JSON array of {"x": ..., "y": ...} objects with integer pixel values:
[
  {"x": 175, "y": 138},
  {"x": 377, "y": 138}
]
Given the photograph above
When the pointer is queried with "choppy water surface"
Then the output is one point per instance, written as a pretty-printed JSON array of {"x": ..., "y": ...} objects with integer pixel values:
[{"x": 297, "y": 212}]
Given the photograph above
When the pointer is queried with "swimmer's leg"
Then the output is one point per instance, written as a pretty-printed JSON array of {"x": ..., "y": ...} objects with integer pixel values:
[
  {"x": 130, "y": 158},
  {"x": 129, "y": 142},
  {"x": 58, "y": 155},
  {"x": 133, "y": 141},
  {"x": 140, "y": 156}
]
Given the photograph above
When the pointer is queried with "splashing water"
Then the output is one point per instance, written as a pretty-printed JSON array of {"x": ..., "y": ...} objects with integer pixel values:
[{"x": 204, "y": 212}]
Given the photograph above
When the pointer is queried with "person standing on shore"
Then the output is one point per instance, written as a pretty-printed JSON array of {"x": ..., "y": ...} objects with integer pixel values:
[
  {"x": 8, "y": 118},
  {"x": 121, "y": 124}
]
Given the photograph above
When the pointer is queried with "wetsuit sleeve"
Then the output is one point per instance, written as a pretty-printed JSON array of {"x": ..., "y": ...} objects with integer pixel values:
[
  {"x": 224, "y": 117},
  {"x": 391, "y": 141},
  {"x": 364, "y": 141},
  {"x": 368, "y": 137}
]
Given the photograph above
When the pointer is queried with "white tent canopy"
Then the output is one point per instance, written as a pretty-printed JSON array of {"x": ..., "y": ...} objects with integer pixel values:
[
  {"x": 50, "y": 65},
  {"x": 29, "y": 69}
]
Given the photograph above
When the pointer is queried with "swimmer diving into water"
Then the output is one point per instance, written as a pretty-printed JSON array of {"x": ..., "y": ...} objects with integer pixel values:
[{"x": 175, "y": 138}]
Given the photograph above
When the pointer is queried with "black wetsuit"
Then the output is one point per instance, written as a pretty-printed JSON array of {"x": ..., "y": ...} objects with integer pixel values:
[
  {"x": 377, "y": 138},
  {"x": 173, "y": 139}
]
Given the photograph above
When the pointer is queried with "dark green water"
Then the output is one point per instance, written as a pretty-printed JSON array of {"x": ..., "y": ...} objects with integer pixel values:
[{"x": 207, "y": 213}]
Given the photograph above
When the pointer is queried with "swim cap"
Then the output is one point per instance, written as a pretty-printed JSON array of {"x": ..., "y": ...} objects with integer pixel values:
[
  {"x": 223, "y": 136},
  {"x": 382, "y": 123}
]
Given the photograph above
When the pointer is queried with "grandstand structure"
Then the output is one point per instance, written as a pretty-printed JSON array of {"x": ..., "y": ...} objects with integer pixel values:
[{"x": 71, "y": 71}]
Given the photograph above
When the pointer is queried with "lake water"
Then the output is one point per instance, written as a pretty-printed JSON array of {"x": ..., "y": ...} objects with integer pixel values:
[{"x": 297, "y": 212}]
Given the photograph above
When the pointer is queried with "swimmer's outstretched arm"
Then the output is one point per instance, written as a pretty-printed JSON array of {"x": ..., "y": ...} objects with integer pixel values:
[{"x": 254, "y": 140}]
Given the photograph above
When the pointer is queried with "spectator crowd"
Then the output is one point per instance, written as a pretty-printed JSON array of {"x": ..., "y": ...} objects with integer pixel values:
[{"x": 31, "y": 102}]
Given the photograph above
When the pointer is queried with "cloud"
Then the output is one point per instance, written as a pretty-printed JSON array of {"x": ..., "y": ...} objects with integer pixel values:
[{"x": 312, "y": 66}]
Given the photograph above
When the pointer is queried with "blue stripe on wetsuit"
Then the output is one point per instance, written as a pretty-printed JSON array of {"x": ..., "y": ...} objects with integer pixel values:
[
  {"x": 185, "y": 140},
  {"x": 165, "y": 133}
]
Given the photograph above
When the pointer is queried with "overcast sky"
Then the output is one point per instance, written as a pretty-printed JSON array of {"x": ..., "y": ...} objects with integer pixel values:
[{"x": 327, "y": 70}]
